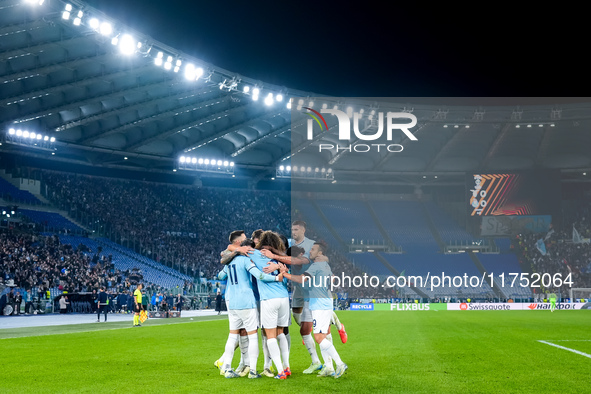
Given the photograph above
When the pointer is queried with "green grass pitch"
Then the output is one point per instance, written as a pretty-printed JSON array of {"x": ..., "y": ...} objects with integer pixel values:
[{"x": 419, "y": 351}]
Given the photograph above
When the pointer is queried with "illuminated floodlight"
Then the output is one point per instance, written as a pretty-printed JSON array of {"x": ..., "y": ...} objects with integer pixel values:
[
  {"x": 219, "y": 162},
  {"x": 80, "y": 14},
  {"x": 183, "y": 159},
  {"x": 106, "y": 29},
  {"x": 68, "y": 7},
  {"x": 295, "y": 168},
  {"x": 19, "y": 133},
  {"x": 279, "y": 98},
  {"x": 114, "y": 40},
  {"x": 167, "y": 66},
  {"x": 255, "y": 97},
  {"x": 66, "y": 15},
  {"x": 25, "y": 134},
  {"x": 200, "y": 161},
  {"x": 127, "y": 44},
  {"x": 281, "y": 168},
  {"x": 256, "y": 91},
  {"x": 52, "y": 139},
  {"x": 329, "y": 170},
  {"x": 311, "y": 104},
  {"x": 246, "y": 89},
  {"x": 94, "y": 23},
  {"x": 206, "y": 162},
  {"x": 39, "y": 137},
  {"x": 231, "y": 164},
  {"x": 11, "y": 131},
  {"x": 32, "y": 136},
  {"x": 317, "y": 169},
  {"x": 77, "y": 22},
  {"x": 176, "y": 69},
  {"x": 323, "y": 170},
  {"x": 190, "y": 71},
  {"x": 46, "y": 138},
  {"x": 158, "y": 61},
  {"x": 288, "y": 105},
  {"x": 198, "y": 73},
  {"x": 309, "y": 169},
  {"x": 300, "y": 102},
  {"x": 288, "y": 168},
  {"x": 269, "y": 99},
  {"x": 324, "y": 106},
  {"x": 226, "y": 163}
]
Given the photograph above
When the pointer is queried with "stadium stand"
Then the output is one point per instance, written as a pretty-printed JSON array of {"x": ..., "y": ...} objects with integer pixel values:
[
  {"x": 51, "y": 221},
  {"x": 11, "y": 193}
]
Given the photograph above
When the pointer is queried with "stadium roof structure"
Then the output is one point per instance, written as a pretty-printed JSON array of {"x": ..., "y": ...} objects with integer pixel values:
[{"x": 111, "y": 96}]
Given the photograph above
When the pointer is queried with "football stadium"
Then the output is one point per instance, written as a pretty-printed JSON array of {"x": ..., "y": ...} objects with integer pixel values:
[{"x": 170, "y": 225}]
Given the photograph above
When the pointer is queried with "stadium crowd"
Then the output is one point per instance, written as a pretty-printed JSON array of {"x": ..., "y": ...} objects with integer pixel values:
[
  {"x": 161, "y": 218},
  {"x": 562, "y": 255},
  {"x": 185, "y": 226}
]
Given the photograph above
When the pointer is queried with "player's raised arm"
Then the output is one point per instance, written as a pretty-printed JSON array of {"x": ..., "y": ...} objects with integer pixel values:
[
  {"x": 294, "y": 278},
  {"x": 223, "y": 274},
  {"x": 259, "y": 275}
]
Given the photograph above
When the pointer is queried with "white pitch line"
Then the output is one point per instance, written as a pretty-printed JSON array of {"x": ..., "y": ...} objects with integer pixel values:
[
  {"x": 566, "y": 348},
  {"x": 572, "y": 340}
]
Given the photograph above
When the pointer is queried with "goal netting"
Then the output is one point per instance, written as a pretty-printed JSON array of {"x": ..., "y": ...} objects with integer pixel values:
[{"x": 580, "y": 294}]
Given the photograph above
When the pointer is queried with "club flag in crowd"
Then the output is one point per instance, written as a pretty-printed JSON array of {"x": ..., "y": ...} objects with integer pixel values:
[
  {"x": 576, "y": 236},
  {"x": 549, "y": 234},
  {"x": 541, "y": 246}
]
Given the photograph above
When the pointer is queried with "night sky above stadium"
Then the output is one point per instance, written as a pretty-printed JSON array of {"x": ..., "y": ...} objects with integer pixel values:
[{"x": 335, "y": 49}]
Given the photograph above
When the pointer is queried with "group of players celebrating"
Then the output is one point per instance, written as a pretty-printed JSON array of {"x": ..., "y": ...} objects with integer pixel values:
[{"x": 257, "y": 271}]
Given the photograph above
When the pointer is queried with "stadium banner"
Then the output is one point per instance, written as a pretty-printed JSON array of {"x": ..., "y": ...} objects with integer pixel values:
[
  {"x": 519, "y": 194},
  {"x": 501, "y": 226},
  {"x": 410, "y": 306},
  {"x": 418, "y": 307},
  {"x": 362, "y": 307},
  {"x": 516, "y": 306}
]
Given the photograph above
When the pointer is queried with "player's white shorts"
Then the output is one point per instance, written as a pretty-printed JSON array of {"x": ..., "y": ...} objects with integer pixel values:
[
  {"x": 306, "y": 313},
  {"x": 322, "y": 320},
  {"x": 243, "y": 318},
  {"x": 275, "y": 312}
]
